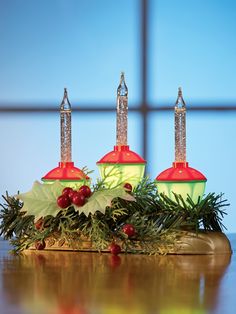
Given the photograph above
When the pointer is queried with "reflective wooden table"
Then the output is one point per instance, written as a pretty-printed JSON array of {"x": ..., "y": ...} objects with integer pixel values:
[{"x": 91, "y": 283}]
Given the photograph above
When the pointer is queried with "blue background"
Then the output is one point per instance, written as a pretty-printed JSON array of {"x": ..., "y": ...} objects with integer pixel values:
[{"x": 84, "y": 45}]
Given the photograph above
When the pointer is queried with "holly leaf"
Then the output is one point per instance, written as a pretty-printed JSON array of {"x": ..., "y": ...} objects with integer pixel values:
[
  {"x": 101, "y": 199},
  {"x": 41, "y": 200}
]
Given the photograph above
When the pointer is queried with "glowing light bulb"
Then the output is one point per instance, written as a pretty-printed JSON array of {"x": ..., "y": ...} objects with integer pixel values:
[
  {"x": 65, "y": 113},
  {"x": 122, "y": 112},
  {"x": 180, "y": 128}
]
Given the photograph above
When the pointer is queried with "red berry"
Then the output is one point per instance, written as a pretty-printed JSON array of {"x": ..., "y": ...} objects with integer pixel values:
[
  {"x": 38, "y": 224},
  {"x": 128, "y": 187},
  {"x": 63, "y": 201},
  {"x": 67, "y": 191},
  {"x": 71, "y": 194},
  {"x": 129, "y": 230},
  {"x": 78, "y": 199},
  {"x": 40, "y": 245},
  {"x": 85, "y": 190},
  {"x": 115, "y": 249}
]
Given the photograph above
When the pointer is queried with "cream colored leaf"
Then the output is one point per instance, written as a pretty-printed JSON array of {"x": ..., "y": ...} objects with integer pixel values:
[
  {"x": 41, "y": 200},
  {"x": 101, "y": 199}
]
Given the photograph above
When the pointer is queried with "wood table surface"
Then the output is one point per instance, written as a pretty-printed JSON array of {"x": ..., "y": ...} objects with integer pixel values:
[{"x": 92, "y": 283}]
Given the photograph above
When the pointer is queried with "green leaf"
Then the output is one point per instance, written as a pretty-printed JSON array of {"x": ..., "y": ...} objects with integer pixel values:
[
  {"x": 101, "y": 199},
  {"x": 41, "y": 201}
]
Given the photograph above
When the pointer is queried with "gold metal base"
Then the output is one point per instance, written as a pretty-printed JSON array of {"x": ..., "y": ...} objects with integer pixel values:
[
  {"x": 204, "y": 242},
  {"x": 188, "y": 242}
]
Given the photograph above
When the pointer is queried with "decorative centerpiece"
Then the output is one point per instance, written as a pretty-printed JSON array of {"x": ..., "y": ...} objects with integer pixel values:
[
  {"x": 66, "y": 172},
  {"x": 180, "y": 179},
  {"x": 121, "y": 166},
  {"x": 122, "y": 212}
]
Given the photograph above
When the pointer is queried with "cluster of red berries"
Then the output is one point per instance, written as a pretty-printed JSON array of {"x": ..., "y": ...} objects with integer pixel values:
[
  {"x": 78, "y": 198},
  {"x": 70, "y": 196}
]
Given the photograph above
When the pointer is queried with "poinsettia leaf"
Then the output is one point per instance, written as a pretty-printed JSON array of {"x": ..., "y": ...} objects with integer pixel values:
[
  {"x": 101, "y": 199},
  {"x": 41, "y": 200}
]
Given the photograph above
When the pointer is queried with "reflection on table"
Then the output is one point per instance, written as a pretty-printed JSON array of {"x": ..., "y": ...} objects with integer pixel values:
[{"x": 81, "y": 283}]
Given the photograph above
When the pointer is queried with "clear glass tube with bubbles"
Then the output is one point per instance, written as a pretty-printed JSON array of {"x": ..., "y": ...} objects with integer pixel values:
[
  {"x": 65, "y": 113},
  {"x": 180, "y": 128},
  {"x": 122, "y": 112}
]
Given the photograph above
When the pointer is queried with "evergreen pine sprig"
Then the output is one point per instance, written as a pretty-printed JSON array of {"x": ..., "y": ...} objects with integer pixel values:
[
  {"x": 13, "y": 222},
  {"x": 157, "y": 220}
]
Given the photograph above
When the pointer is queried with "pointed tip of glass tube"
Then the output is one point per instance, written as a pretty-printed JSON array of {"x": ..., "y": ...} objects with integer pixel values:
[
  {"x": 180, "y": 94},
  {"x": 65, "y": 104},
  {"x": 122, "y": 89},
  {"x": 180, "y": 101}
]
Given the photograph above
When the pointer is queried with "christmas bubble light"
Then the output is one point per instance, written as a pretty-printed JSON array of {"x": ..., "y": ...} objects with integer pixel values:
[
  {"x": 66, "y": 172},
  {"x": 121, "y": 165},
  {"x": 180, "y": 178}
]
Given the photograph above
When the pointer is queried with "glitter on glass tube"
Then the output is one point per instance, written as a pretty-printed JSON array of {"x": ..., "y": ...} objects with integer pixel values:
[
  {"x": 122, "y": 112},
  {"x": 65, "y": 112},
  {"x": 180, "y": 128}
]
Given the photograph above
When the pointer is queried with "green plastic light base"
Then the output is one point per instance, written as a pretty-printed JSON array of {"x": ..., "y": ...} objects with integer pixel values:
[
  {"x": 74, "y": 184},
  {"x": 118, "y": 174},
  {"x": 194, "y": 189}
]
